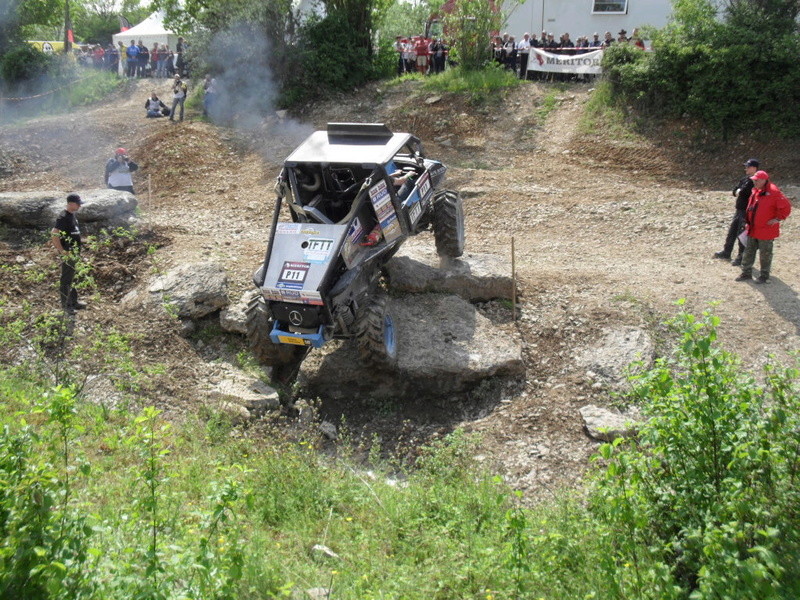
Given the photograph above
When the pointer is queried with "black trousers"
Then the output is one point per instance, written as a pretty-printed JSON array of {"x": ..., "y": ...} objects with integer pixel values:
[
  {"x": 523, "y": 65},
  {"x": 69, "y": 295},
  {"x": 736, "y": 227}
]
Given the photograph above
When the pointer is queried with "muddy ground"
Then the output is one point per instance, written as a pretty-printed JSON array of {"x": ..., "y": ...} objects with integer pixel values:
[{"x": 610, "y": 226}]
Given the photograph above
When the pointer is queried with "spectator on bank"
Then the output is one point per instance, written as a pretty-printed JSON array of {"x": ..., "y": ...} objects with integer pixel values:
[
  {"x": 66, "y": 239},
  {"x": 154, "y": 56},
  {"x": 438, "y": 52},
  {"x": 155, "y": 107},
  {"x": 179, "y": 91},
  {"x": 169, "y": 65},
  {"x": 766, "y": 210},
  {"x": 596, "y": 42},
  {"x": 510, "y": 47},
  {"x": 608, "y": 40},
  {"x": 622, "y": 36},
  {"x": 118, "y": 171},
  {"x": 524, "y": 50},
  {"x": 637, "y": 41},
  {"x": 132, "y": 57},
  {"x": 179, "y": 60},
  {"x": 144, "y": 59},
  {"x": 112, "y": 58},
  {"x": 209, "y": 94},
  {"x": 400, "y": 48},
  {"x": 421, "y": 50},
  {"x": 742, "y": 192}
]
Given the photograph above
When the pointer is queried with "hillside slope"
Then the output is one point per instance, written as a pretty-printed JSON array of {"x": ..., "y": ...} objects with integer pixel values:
[{"x": 608, "y": 232}]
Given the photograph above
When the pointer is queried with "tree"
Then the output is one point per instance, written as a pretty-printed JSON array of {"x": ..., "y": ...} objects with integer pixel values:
[
  {"x": 470, "y": 23},
  {"x": 16, "y": 14}
]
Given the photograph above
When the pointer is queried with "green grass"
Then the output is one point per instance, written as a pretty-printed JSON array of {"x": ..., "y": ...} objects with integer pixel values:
[
  {"x": 484, "y": 86},
  {"x": 603, "y": 113},
  {"x": 93, "y": 86},
  {"x": 104, "y": 502}
]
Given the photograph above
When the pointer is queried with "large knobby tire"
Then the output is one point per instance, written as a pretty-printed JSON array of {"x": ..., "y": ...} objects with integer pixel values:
[
  {"x": 448, "y": 224},
  {"x": 259, "y": 325},
  {"x": 375, "y": 334}
]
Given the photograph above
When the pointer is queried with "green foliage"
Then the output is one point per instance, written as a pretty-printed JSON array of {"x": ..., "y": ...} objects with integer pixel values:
[
  {"x": 23, "y": 63},
  {"x": 469, "y": 25},
  {"x": 480, "y": 86},
  {"x": 729, "y": 75},
  {"x": 706, "y": 502}
]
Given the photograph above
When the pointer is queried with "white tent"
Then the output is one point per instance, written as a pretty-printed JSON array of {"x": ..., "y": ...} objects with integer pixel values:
[{"x": 150, "y": 31}]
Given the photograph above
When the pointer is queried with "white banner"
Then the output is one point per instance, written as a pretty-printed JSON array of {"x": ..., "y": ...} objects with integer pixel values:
[{"x": 551, "y": 62}]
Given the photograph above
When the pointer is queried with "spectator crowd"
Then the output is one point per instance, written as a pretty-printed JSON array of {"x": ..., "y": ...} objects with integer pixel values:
[
  {"x": 418, "y": 54},
  {"x": 137, "y": 60}
]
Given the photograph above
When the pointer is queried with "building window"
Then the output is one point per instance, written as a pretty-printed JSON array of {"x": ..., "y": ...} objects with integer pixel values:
[{"x": 610, "y": 6}]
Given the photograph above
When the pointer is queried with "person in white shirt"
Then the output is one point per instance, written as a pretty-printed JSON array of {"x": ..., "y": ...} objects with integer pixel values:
[{"x": 524, "y": 49}]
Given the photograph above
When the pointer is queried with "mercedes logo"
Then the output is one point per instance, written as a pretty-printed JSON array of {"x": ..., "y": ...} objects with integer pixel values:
[{"x": 295, "y": 318}]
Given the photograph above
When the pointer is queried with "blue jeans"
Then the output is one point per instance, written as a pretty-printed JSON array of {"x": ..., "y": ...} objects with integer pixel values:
[{"x": 175, "y": 103}]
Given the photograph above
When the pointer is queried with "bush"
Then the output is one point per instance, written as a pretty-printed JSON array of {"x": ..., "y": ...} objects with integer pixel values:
[
  {"x": 24, "y": 63},
  {"x": 707, "y": 502}
]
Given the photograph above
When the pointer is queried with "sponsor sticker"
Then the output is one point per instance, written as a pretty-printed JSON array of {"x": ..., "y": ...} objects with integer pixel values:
[
  {"x": 288, "y": 228},
  {"x": 415, "y": 212},
  {"x": 293, "y": 275},
  {"x": 317, "y": 250}
]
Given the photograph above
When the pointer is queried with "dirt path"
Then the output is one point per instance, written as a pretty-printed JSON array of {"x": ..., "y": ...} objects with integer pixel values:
[{"x": 607, "y": 231}]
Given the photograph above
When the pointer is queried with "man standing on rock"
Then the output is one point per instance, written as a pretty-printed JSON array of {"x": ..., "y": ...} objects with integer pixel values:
[
  {"x": 118, "y": 171},
  {"x": 66, "y": 238},
  {"x": 766, "y": 210},
  {"x": 742, "y": 192}
]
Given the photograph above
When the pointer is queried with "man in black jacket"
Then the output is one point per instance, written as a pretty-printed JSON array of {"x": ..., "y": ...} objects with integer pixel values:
[
  {"x": 742, "y": 193},
  {"x": 66, "y": 238}
]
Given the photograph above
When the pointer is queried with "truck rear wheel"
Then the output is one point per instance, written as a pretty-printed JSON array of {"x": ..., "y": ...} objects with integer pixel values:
[
  {"x": 285, "y": 359},
  {"x": 375, "y": 334},
  {"x": 448, "y": 224}
]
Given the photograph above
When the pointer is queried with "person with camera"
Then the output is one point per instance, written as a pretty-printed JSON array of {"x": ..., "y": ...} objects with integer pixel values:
[
  {"x": 118, "y": 171},
  {"x": 179, "y": 90}
]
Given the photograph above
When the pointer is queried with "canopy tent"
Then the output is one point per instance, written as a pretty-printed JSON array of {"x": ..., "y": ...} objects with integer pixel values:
[{"x": 150, "y": 31}]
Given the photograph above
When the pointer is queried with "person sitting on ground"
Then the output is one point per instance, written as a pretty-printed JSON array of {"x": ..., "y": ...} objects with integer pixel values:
[{"x": 155, "y": 107}]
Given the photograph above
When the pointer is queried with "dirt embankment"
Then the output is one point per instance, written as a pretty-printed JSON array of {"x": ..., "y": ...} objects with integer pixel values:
[{"x": 609, "y": 230}]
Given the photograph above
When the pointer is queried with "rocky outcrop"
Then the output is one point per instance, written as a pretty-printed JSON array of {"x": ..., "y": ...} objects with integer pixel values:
[
  {"x": 607, "y": 360},
  {"x": 242, "y": 397},
  {"x": 606, "y": 425},
  {"x": 444, "y": 346},
  {"x": 189, "y": 291},
  {"x": 233, "y": 318},
  {"x": 474, "y": 277},
  {"x": 101, "y": 208}
]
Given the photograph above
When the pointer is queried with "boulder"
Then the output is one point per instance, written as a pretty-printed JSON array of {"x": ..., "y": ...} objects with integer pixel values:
[
  {"x": 609, "y": 358},
  {"x": 192, "y": 290},
  {"x": 241, "y": 392},
  {"x": 101, "y": 208},
  {"x": 606, "y": 425},
  {"x": 233, "y": 318},
  {"x": 444, "y": 345},
  {"x": 474, "y": 277}
]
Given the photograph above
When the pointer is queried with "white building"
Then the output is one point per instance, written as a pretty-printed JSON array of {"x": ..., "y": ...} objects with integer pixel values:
[{"x": 584, "y": 17}]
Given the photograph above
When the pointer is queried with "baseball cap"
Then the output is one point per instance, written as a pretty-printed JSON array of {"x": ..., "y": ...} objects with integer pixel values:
[
  {"x": 74, "y": 198},
  {"x": 752, "y": 162},
  {"x": 760, "y": 175},
  {"x": 121, "y": 151}
]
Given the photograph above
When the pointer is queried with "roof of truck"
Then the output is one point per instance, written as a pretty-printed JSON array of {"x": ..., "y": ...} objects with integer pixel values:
[{"x": 350, "y": 143}]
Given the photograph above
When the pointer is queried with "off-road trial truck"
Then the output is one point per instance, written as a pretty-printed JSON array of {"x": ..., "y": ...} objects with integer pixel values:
[{"x": 321, "y": 277}]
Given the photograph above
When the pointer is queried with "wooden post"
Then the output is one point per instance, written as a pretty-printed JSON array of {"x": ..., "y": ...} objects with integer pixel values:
[{"x": 513, "y": 282}]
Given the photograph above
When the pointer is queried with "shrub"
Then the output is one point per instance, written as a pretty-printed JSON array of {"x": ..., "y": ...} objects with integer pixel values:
[
  {"x": 706, "y": 502},
  {"x": 24, "y": 63}
]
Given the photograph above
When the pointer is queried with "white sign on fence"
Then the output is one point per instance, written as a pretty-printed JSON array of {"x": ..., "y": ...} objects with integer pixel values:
[{"x": 551, "y": 62}]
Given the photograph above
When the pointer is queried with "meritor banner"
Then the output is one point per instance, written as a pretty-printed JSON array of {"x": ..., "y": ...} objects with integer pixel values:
[{"x": 551, "y": 62}]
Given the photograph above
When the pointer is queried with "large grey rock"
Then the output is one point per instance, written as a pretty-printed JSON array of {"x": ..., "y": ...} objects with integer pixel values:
[
  {"x": 100, "y": 208},
  {"x": 235, "y": 393},
  {"x": 233, "y": 318},
  {"x": 474, "y": 277},
  {"x": 609, "y": 358},
  {"x": 192, "y": 290},
  {"x": 444, "y": 345},
  {"x": 606, "y": 426}
]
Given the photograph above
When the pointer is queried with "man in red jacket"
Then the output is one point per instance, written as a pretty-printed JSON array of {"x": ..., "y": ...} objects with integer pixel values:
[{"x": 766, "y": 209}]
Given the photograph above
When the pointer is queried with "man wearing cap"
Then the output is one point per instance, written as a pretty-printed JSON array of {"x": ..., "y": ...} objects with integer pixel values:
[
  {"x": 118, "y": 171},
  {"x": 596, "y": 42},
  {"x": 66, "y": 238},
  {"x": 766, "y": 209},
  {"x": 742, "y": 192}
]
